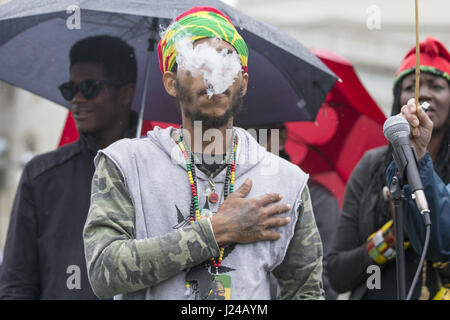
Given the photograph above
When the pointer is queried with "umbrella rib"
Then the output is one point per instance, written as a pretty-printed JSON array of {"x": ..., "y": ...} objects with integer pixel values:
[
  {"x": 120, "y": 16},
  {"x": 145, "y": 27},
  {"x": 108, "y": 24},
  {"x": 318, "y": 151},
  {"x": 112, "y": 16}
]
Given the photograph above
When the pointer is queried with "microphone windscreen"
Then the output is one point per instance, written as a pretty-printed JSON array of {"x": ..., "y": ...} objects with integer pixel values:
[{"x": 395, "y": 127}]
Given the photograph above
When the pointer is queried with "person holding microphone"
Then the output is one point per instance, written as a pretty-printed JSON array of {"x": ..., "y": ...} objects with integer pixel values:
[{"x": 365, "y": 235}]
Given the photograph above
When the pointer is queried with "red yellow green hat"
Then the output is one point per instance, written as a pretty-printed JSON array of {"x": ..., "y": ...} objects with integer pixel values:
[
  {"x": 434, "y": 58},
  {"x": 198, "y": 23}
]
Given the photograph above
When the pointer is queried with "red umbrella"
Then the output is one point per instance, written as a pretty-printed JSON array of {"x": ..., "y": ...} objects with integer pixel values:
[
  {"x": 70, "y": 132},
  {"x": 348, "y": 123}
]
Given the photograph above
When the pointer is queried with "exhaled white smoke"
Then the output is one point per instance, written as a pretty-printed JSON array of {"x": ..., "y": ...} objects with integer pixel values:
[{"x": 219, "y": 68}]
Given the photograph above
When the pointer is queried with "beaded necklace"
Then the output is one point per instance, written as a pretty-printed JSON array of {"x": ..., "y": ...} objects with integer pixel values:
[{"x": 228, "y": 188}]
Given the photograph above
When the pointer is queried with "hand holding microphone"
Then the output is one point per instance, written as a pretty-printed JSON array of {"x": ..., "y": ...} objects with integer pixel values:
[
  {"x": 422, "y": 127},
  {"x": 397, "y": 130}
]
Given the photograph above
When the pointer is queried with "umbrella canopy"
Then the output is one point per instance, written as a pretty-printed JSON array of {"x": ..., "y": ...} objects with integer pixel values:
[
  {"x": 287, "y": 82},
  {"x": 348, "y": 124}
]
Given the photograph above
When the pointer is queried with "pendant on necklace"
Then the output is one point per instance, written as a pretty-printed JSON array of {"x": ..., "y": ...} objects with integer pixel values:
[{"x": 213, "y": 197}]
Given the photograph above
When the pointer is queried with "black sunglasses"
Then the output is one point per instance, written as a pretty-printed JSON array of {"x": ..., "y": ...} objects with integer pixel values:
[{"x": 89, "y": 88}]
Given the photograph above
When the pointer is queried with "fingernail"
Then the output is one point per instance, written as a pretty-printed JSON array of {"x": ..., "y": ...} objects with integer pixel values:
[
  {"x": 415, "y": 123},
  {"x": 288, "y": 219}
]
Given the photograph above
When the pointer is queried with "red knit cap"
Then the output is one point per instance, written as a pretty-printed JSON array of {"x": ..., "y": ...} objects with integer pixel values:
[{"x": 434, "y": 58}]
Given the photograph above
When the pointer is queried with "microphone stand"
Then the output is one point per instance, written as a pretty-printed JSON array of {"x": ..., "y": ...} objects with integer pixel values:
[{"x": 397, "y": 195}]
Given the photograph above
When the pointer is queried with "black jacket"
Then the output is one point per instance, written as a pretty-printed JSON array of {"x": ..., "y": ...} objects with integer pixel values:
[{"x": 44, "y": 252}]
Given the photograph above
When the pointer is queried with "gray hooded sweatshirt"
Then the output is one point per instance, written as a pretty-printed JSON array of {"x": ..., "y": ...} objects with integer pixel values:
[{"x": 155, "y": 175}]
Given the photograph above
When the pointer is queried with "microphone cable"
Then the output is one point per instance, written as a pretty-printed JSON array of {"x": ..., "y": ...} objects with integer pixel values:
[{"x": 427, "y": 221}]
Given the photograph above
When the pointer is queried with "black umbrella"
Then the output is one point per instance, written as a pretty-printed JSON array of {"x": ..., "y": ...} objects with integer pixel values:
[{"x": 287, "y": 82}]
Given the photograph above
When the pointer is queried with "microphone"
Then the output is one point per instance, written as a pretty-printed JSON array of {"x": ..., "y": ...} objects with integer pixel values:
[{"x": 396, "y": 130}]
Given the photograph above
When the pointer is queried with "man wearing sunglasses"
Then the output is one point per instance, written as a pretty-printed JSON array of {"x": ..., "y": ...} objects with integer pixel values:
[{"x": 44, "y": 253}]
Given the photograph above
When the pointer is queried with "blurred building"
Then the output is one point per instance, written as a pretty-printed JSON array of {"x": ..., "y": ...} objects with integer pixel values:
[
  {"x": 373, "y": 34},
  {"x": 29, "y": 125}
]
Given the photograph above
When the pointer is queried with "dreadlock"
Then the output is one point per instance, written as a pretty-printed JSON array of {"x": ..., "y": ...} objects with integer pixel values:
[{"x": 378, "y": 178}]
